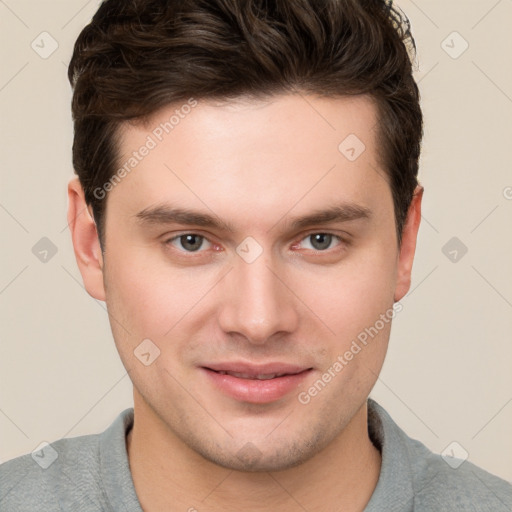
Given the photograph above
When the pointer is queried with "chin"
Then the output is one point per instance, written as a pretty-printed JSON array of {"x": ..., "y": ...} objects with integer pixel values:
[
  {"x": 264, "y": 456},
  {"x": 250, "y": 460}
]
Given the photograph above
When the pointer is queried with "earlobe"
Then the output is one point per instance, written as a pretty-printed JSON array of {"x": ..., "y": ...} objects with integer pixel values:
[
  {"x": 408, "y": 245},
  {"x": 85, "y": 240}
]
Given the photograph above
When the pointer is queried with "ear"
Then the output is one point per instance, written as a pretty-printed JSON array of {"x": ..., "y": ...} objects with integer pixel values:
[
  {"x": 85, "y": 241},
  {"x": 408, "y": 245}
]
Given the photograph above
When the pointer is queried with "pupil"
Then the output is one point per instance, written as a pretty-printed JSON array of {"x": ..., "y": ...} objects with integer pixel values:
[{"x": 323, "y": 239}]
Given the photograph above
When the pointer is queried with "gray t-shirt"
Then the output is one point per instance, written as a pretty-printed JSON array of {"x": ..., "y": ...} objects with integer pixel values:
[{"x": 91, "y": 473}]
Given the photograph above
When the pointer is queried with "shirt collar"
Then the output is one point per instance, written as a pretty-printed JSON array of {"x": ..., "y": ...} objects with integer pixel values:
[
  {"x": 114, "y": 466},
  {"x": 394, "y": 490}
]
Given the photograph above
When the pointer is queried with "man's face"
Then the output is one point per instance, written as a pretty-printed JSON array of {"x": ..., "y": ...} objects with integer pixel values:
[{"x": 230, "y": 308}]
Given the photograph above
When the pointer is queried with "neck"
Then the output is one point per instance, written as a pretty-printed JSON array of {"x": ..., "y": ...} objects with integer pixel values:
[{"x": 168, "y": 475}]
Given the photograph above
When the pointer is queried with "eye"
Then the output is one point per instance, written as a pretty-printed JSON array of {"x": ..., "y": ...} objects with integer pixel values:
[
  {"x": 320, "y": 241},
  {"x": 188, "y": 242}
]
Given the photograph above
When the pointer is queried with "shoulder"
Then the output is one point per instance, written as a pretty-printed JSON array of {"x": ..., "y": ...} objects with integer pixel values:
[
  {"x": 424, "y": 481},
  {"x": 447, "y": 483},
  {"x": 50, "y": 479},
  {"x": 85, "y": 473}
]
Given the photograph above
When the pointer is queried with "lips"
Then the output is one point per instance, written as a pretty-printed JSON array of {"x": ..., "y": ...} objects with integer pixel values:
[{"x": 256, "y": 383}]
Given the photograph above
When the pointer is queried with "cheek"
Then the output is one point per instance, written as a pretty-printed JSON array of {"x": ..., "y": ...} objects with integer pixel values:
[
  {"x": 144, "y": 304},
  {"x": 353, "y": 295},
  {"x": 152, "y": 299}
]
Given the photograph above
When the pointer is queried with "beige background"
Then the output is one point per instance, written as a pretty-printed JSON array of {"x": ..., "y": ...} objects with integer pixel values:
[{"x": 448, "y": 373}]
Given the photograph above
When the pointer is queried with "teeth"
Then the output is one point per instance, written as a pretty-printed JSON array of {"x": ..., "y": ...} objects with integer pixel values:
[{"x": 266, "y": 376}]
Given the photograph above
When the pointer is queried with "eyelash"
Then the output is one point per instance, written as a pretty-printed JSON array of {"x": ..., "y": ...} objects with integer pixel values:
[{"x": 340, "y": 239}]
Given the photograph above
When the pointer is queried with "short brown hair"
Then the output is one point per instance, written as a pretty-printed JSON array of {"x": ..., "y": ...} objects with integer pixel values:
[{"x": 137, "y": 56}]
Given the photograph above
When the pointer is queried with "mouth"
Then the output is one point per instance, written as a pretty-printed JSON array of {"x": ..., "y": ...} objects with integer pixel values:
[
  {"x": 267, "y": 376},
  {"x": 256, "y": 383}
]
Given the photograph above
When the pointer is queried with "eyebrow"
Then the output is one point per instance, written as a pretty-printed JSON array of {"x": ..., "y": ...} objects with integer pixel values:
[{"x": 168, "y": 214}]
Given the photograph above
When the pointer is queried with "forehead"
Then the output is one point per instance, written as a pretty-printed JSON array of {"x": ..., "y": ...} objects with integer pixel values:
[
  {"x": 293, "y": 123},
  {"x": 257, "y": 155}
]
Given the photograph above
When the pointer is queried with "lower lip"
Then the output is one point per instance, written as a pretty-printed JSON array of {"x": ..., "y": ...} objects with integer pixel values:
[{"x": 256, "y": 391}]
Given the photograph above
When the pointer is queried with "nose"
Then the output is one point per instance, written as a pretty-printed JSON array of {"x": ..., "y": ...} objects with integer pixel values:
[{"x": 257, "y": 302}]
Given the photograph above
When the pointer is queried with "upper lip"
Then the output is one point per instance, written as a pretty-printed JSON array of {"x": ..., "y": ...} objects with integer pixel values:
[{"x": 254, "y": 370}]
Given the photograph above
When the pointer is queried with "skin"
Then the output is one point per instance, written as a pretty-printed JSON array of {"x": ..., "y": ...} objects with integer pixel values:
[{"x": 256, "y": 165}]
